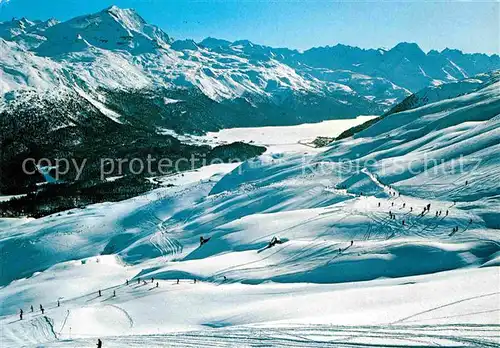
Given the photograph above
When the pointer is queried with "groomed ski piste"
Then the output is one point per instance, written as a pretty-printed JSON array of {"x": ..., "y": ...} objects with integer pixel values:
[{"x": 346, "y": 274}]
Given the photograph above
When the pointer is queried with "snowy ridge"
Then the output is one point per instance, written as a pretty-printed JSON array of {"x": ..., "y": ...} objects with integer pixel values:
[{"x": 447, "y": 91}]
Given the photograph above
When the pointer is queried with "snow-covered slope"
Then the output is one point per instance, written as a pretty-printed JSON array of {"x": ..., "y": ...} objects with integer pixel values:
[
  {"x": 345, "y": 273},
  {"x": 446, "y": 91}
]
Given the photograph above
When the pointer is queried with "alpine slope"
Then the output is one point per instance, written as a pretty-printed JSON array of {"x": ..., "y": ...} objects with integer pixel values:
[{"x": 388, "y": 238}]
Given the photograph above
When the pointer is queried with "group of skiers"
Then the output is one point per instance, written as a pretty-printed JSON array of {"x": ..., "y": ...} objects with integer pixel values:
[
  {"x": 427, "y": 208},
  {"x": 139, "y": 282},
  {"x": 42, "y": 310},
  {"x": 274, "y": 241},
  {"x": 157, "y": 285},
  {"x": 439, "y": 213}
]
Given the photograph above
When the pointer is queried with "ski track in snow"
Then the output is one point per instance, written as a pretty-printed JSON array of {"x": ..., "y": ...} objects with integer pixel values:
[{"x": 313, "y": 336}]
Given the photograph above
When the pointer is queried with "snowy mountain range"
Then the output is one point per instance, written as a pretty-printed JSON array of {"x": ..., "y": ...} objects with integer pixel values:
[{"x": 115, "y": 49}]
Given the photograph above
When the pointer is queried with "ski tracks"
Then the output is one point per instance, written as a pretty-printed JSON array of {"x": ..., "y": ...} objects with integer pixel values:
[{"x": 314, "y": 336}]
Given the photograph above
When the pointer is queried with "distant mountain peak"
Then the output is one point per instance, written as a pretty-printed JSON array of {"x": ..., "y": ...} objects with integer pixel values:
[
  {"x": 127, "y": 16},
  {"x": 211, "y": 42},
  {"x": 113, "y": 28},
  {"x": 112, "y": 8},
  {"x": 408, "y": 48},
  {"x": 451, "y": 51},
  {"x": 188, "y": 44}
]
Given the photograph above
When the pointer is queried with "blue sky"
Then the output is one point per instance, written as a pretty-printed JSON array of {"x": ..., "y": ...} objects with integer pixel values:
[{"x": 469, "y": 26}]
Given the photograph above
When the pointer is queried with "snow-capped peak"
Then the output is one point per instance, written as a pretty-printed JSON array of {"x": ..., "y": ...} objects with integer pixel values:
[{"x": 113, "y": 29}]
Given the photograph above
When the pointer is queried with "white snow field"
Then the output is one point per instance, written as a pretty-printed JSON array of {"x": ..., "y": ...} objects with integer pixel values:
[
  {"x": 277, "y": 139},
  {"x": 431, "y": 281}
]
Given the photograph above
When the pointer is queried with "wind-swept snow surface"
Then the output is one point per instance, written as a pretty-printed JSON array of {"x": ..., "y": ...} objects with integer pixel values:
[{"x": 356, "y": 260}]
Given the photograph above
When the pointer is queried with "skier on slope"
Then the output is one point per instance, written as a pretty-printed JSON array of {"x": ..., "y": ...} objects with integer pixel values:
[
  {"x": 20, "y": 314},
  {"x": 99, "y": 343},
  {"x": 31, "y": 308}
]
